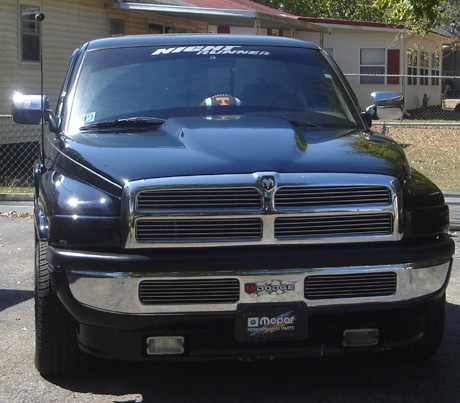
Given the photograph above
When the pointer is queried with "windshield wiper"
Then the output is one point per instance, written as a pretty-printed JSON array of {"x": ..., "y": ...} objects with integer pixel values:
[{"x": 125, "y": 122}]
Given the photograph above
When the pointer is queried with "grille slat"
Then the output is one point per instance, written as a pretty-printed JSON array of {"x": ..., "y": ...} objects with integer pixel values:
[
  {"x": 189, "y": 291},
  {"x": 308, "y": 196},
  {"x": 350, "y": 285},
  {"x": 198, "y": 229},
  {"x": 193, "y": 199},
  {"x": 293, "y": 227}
]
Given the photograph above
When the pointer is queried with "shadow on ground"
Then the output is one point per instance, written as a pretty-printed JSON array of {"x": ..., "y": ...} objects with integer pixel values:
[
  {"x": 9, "y": 298},
  {"x": 354, "y": 378}
]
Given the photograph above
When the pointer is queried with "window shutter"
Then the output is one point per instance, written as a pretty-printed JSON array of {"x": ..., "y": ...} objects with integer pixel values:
[
  {"x": 223, "y": 29},
  {"x": 393, "y": 56}
]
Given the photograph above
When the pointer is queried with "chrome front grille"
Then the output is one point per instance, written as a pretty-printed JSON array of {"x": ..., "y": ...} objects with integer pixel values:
[
  {"x": 198, "y": 199},
  {"x": 338, "y": 286},
  {"x": 202, "y": 291},
  {"x": 205, "y": 229},
  {"x": 263, "y": 208},
  {"x": 306, "y": 196},
  {"x": 335, "y": 225}
]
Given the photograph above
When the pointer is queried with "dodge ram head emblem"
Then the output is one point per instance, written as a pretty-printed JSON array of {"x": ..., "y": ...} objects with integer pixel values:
[{"x": 268, "y": 182}]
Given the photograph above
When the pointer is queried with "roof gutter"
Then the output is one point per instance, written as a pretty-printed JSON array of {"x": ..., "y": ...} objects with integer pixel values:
[{"x": 223, "y": 16}]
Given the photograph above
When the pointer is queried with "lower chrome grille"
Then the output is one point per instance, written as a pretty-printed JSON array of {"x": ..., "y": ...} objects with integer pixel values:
[
  {"x": 333, "y": 225},
  {"x": 203, "y": 291},
  {"x": 198, "y": 229},
  {"x": 350, "y": 285}
]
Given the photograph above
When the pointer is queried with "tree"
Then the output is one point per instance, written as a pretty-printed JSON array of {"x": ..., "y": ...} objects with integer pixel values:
[{"x": 420, "y": 14}]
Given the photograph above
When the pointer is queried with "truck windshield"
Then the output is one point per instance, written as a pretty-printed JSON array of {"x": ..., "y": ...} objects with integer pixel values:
[{"x": 141, "y": 82}]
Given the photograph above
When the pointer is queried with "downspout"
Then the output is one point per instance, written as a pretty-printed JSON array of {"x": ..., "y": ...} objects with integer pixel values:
[
  {"x": 257, "y": 26},
  {"x": 404, "y": 68},
  {"x": 321, "y": 39}
]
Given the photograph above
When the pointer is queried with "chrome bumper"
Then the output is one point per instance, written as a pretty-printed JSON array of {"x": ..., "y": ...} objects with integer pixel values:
[{"x": 119, "y": 292}]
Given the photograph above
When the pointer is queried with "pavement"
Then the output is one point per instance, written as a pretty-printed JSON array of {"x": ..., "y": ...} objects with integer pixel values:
[{"x": 23, "y": 204}]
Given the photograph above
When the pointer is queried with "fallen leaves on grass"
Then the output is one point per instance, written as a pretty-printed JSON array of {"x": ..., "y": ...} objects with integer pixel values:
[{"x": 433, "y": 151}]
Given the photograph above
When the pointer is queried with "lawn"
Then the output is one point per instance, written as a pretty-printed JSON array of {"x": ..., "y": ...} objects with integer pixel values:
[{"x": 433, "y": 151}]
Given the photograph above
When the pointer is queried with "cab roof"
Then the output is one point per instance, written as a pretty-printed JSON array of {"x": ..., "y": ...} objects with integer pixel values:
[{"x": 196, "y": 39}]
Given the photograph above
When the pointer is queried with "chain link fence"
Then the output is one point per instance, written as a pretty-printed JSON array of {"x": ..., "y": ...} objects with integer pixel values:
[
  {"x": 430, "y": 102},
  {"x": 19, "y": 148}
]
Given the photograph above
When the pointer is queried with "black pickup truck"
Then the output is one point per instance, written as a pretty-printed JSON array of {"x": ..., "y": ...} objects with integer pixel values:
[{"x": 224, "y": 197}]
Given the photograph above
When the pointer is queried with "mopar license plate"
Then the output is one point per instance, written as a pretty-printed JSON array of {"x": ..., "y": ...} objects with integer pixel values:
[{"x": 260, "y": 322}]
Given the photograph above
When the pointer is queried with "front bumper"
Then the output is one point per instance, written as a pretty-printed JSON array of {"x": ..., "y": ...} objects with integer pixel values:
[
  {"x": 101, "y": 291},
  {"x": 119, "y": 292},
  {"x": 212, "y": 335}
]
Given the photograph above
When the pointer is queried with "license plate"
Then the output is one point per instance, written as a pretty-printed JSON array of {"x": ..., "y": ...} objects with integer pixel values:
[{"x": 260, "y": 322}]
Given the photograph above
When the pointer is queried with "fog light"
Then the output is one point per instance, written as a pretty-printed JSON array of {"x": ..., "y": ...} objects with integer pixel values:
[
  {"x": 165, "y": 345},
  {"x": 360, "y": 337}
]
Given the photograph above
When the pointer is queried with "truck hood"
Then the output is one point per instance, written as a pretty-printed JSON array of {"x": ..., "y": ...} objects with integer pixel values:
[{"x": 228, "y": 145}]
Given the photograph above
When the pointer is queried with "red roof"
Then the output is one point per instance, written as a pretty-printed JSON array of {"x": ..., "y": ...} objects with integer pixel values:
[
  {"x": 239, "y": 5},
  {"x": 331, "y": 21}
]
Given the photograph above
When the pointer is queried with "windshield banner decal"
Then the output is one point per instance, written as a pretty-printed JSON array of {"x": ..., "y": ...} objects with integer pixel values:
[{"x": 210, "y": 50}]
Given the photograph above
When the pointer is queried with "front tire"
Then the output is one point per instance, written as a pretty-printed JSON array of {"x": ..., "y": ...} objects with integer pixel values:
[{"x": 56, "y": 346}]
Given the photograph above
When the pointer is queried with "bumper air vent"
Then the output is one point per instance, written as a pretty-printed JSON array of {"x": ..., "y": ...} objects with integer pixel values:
[
  {"x": 200, "y": 291},
  {"x": 350, "y": 286}
]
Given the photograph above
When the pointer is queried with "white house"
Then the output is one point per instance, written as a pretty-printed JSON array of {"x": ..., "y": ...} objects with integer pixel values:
[
  {"x": 70, "y": 23},
  {"x": 357, "y": 47},
  {"x": 373, "y": 55}
]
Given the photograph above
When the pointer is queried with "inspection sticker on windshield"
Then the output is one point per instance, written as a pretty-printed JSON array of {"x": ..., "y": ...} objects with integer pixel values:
[
  {"x": 211, "y": 50},
  {"x": 87, "y": 117}
]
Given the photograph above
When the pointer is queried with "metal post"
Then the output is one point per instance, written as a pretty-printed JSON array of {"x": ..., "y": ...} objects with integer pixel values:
[{"x": 257, "y": 26}]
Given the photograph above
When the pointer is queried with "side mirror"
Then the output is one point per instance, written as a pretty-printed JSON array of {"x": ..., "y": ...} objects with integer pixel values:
[
  {"x": 53, "y": 120},
  {"x": 386, "y": 105},
  {"x": 28, "y": 109}
]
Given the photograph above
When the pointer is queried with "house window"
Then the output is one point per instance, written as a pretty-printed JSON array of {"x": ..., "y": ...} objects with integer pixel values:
[
  {"x": 412, "y": 63},
  {"x": 154, "y": 28},
  {"x": 435, "y": 69},
  {"x": 424, "y": 67},
  {"x": 30, "y": 34},
  {"x": 116, "y": 26},
  {"x": 372, "y": 66}
]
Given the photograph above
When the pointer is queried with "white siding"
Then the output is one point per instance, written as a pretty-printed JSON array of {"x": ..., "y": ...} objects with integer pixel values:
[
  {"x": 347, "y": 44},
  {"x": 67, "y": 25}
]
